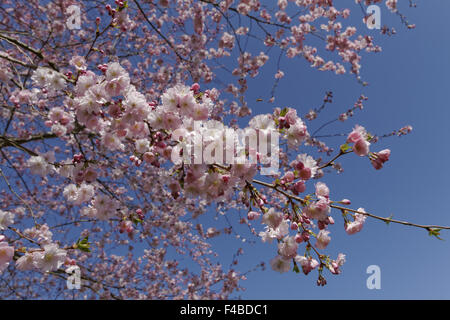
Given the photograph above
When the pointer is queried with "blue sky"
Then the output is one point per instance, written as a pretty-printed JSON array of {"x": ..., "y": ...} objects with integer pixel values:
[{"x": 408, "y": 85}]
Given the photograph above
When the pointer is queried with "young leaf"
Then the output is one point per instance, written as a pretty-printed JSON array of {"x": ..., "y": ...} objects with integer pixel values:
[
  {"x": 435, "y": 232},
  {"x": 83, "y": 245},
  {"x": 388, "y": 220},
  {"x": 345, "y": 147},
  {"x": 283, "y": 112}
]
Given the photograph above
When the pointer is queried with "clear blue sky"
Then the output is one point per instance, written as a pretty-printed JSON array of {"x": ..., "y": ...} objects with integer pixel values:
[{"x": 409, "y": 84}]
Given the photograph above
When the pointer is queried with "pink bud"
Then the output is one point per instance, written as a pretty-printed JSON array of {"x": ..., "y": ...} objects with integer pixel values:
[
  {"x": 343, "y": 117},
  {"x": 289, "y": 176},
  {"x": 195, "y": 87},
  {"x": 377, "y": 164},
  {"x": 305, "y": 235},
  {"x": 330, "y": 220},
  {"x": 253, "y": 215},
  {"x": 161, "y": 145},
  {"x": 299, "y": 187},
  {"x": 149, "y": 157},
  {"x": 321, "y": 225},
  {"x": 383, "y": 155},
  {"x": 263, "y": 197},
  {"x": 299, "y": 166},
  {"x": 77, "y": 158},
  {"x": 298, "y": 238},
  {"x": 305, "y": 173}
]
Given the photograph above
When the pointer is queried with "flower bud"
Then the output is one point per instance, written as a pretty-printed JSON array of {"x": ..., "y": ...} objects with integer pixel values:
[
  {"x": 299, "y": 166},
  {"x": 305, "y": 173},
  {"x": 305, "y": 235},
  {"x": 253, "y": 215},
  {"x": 298, "y": 238}
]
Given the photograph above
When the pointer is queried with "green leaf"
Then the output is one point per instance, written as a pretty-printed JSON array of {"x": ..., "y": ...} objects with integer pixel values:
[
  {"x": 435, "y": 232},
  {"x": 296, "y": 269},
  {"x": 83, "y": 245},
  {"x": 389, "y": 219},
  {"x": 345, "y": 148},
  {"x": 283, "y": 112}
]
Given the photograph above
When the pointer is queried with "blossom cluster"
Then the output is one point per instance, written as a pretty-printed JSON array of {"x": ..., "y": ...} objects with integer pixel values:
[
  {"x": 111, "y": 107},
  {"x": 47, "y": 257}
]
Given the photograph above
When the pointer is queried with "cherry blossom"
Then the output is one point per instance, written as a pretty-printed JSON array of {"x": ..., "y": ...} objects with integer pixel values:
[{"x": 119, "y": 137}]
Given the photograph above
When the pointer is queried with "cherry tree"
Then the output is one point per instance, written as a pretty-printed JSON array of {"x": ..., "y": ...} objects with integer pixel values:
[{"x": 104, "y": 106}]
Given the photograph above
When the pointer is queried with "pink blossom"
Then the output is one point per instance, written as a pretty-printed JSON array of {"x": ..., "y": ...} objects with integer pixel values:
[
  {"x": 6, "y": 255},
  {"x": 288, "y": 176},
  {"x": 288, "y": 248},
  {"x": 318, "y": 210},
  {"x": 322, "y": 190},
  {"x": 322, "y": 239},
  {"x": 6, "y": 219},
  {"x": 357, "y": 224},
  {"x": 296, "y": 133},
  {"x": 307, "y": 263},
  {"x": 280, "y": 264},
  {"x": 78, "y": 62},
  {"x": 272, "y": 218},
  {"x": 358, "y": 133},
  {"x": 336, "y": 264},
  {"x": 379, "y": 158},
  {"x": 299, "y": 187},
  {"x": 51, "y": 258},
  {"x": 361, "y": 147},
  {"x": 253, "y": 215},
  {"x": 26, "y": 262}
]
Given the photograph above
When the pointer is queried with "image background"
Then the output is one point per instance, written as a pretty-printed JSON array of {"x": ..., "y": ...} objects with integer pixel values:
[{"x": 408, "y": 85}]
